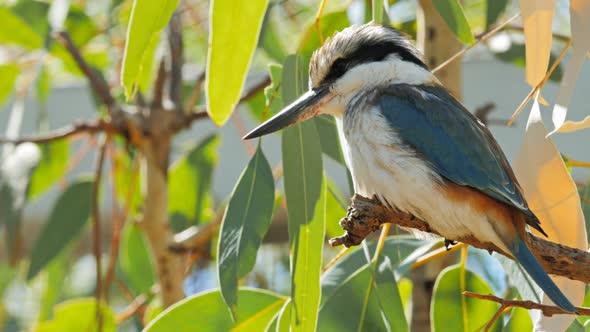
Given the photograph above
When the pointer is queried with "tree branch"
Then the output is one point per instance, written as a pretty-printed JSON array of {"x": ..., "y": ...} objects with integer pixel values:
[
  {"x": 64, "y": 132},
  {"x": 365, "y": 215},
  {"x": 548, "y": 310},
  {"x": 98, "y": 84}
]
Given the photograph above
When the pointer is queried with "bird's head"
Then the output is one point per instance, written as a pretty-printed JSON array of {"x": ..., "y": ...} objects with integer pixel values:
[{"x": 358, "y": 57}]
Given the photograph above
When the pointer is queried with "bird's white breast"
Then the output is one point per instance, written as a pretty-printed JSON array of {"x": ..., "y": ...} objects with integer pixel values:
[{"x": 381, "y": 166}]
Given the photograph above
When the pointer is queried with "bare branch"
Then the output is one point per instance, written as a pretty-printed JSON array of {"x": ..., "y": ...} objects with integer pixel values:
[
  {"x": 365, "y": 215},
  {"x": 548, "y": 310},
  {"x": 197, "y": 89},
  {"x": 176, "y": 59},
  {"x": 98, "y": 84},
  {"x": 67, "y": 131},
  {"x": 159, "y": 84},
  {"x": 195, "y": 238}
]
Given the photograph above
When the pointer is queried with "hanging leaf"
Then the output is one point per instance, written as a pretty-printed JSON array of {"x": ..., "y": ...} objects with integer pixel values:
[
  {"x": 365, "y": 301},
  {"x": 234, "y": 30},
  {"x": 78, "y": 315},
  {"x": 516, "y": 55},
  {"x": 537, "y": 17},
  {"x": 9, "y": 73},
  {"x": 53, "y": 164},
  {"x": 207, "y": 312},
  {"x": 520, "y": 320},
  {"x": 69, "y": 215},
  {"x": 452, "y": 311},
  {"x": 553, "y": 196},
  {"x": 329, "y": 139},
  {"x": 148, "y": 19},
  {"x": 270, "y": 40},
  {"x": 580, "y": 21},
  {"x": 135, "y": 259},
  {"x": 246, "y": 221},
  {"x": 452, "y": 13},
  {"x": 189, "y": 199}
]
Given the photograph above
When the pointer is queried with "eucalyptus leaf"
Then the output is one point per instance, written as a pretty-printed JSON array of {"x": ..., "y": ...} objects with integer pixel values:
[
  {"x": 53, "y": 164},
  {"x": 234, "y": 30},
  {"x": 67, "y": 218},
  {"x": 135, "y": 259},
  {"x": 452, "y": 13},
  {"x": 246, "y": 221},
  {"x": 9, "y": 73},
  {"x": 78, "y": 315}
]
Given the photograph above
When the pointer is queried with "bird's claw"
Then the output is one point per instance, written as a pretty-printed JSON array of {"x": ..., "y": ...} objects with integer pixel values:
[{"x": 449, "y": 243}]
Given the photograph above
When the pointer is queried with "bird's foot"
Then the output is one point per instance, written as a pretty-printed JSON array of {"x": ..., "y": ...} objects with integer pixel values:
[{"x": 449, "y": 243}]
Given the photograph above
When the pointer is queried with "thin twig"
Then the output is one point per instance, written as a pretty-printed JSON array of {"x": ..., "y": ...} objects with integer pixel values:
[
  {"x": 477, "y": 41},
  {"x": 96, "y": 230},
  {"x": 541, "y": 84},
  {"x": 547, "y": 310},
  {"x": 196, "y": 93},
  {"x": 159, "y": 84},
  {"x": 99, "y": 85},
  {"x": 64, "y": 132},
  {"x": 497, "y": 315},
  {"x": 133, "y": 308}
]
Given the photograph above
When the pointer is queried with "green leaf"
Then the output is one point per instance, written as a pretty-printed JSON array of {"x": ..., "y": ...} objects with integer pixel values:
[
  {"x": 329, "y": 24},
  {"x": 272, "y": 93},
  {"x": 452, "y": 311},
  {"x": 135, "y": 259},
  {"x": 189, "y": 201},
  {"x": 207, "y": 312},
  {"x": 366, "y": 300},
  {"x": 302, "y": 165},
  {"x": 35, "y": 14},
  {"x": 270, "y": 40},
  {"x": 334, "y": 211},
  {"x": 585, "y": 319},
  {"x": 246, "y": 221},
  {"x": 329, "y": 139},
  {"x": 16, "y": 31},
  {"x": 53, "y": 164},
  {"x": 9, "y": 73},
  {"x": 235, "y": 26},
  {"x": 69, "y": 214},
  {"x": 55, "y": 274},
  {"x": 494, "y": 9},
  {"x": 402, "y": 251},
  {"x": 148, "y": 19},
  {"x": 520, "y": 320},
  {"x": 452, "y": 13},
  {"x": 78, "y": 315},
  {"x": 515, "y": 55}
]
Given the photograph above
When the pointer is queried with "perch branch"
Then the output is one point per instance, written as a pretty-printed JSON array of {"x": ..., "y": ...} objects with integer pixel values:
[
  {"x": 365, "y": 215},
  {"x": 547, "y": 310}
]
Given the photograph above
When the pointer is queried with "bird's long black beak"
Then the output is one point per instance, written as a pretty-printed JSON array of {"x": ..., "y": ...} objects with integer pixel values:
[{"x": 305, "y": 107}]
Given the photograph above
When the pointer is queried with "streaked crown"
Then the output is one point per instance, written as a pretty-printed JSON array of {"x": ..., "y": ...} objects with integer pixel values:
[{"x": 359, "y": 44}]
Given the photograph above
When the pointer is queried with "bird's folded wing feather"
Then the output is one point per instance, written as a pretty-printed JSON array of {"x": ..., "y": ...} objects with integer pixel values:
[{"x": 460, "y": 148}]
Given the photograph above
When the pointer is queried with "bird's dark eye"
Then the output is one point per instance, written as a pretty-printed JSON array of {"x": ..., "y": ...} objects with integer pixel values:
[{"x": 339, "y": 67}]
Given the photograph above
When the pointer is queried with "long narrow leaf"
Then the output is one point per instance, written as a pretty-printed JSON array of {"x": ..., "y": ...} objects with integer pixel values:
[
  {"x": 234, "y": 30},
  {"x": 452, "y": 13},
  {"x": 245, "y": 223}
]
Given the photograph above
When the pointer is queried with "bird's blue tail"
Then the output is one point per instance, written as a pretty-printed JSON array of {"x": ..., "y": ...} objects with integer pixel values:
[{"x": 528, "y": 261}]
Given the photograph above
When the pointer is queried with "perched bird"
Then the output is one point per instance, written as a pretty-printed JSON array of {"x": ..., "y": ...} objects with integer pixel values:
[{"x": 411, "y": 144}]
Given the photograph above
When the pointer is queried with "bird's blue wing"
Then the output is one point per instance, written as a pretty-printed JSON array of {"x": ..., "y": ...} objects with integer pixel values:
[{"x": 433, "y": 123}]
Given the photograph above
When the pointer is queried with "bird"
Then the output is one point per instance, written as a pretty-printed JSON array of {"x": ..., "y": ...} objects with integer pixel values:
[{"x": 410, "y": 143}]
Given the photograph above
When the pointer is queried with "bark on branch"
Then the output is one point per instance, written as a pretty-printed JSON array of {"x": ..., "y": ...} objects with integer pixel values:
[{"x": 365, "y": 215}]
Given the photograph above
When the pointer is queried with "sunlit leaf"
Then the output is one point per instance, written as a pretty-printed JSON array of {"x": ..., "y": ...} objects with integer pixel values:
[
  {"x": 329, "y": 24},
  {"x": 78, "y": 315},
  {"x": 69, "y": 215},
  {"x": 9, "y": 73},
  {"x": 148, "y": 19},
  {"x": 189, "y": 200},
  {"x": 135, "y": 259},
  {"x": 34, "y": 13},
  {"x": 245, "y": 223},
  {"x": 365, "y": 302},
  {"x": 553, "y": 196},
  {"x": 207, "y": 312},
  {"x": 54, "y": 158},
  {"x": 452, "y": 13},
  {"x": 580, "y": 26},
  {"x": 520, "y": 320},
  {"x": 537, "y": 17},
  {"x": 334, "y": 211},
  {"x": 516, "y": 56},
  {"x": 452, "y": 311},
  {"x": 16, "y": 31},
  {"x": 235, "y": 26}
]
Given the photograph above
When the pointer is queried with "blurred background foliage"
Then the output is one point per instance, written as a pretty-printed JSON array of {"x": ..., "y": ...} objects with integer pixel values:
[{"x": 48, "y": 274}]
